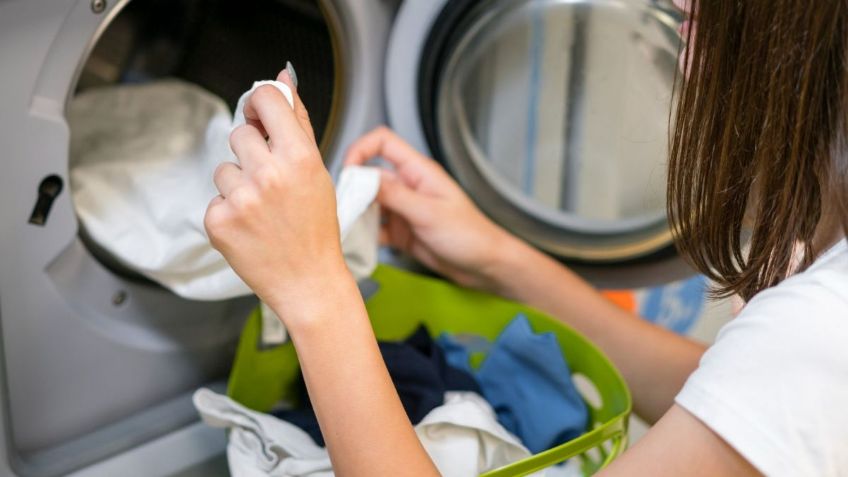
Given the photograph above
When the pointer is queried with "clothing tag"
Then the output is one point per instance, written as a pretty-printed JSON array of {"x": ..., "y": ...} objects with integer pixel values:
[
  {"x": 473, "y": 343},
  {"x": 367, "y": 288},
  {"x": 274, "y": 332}
]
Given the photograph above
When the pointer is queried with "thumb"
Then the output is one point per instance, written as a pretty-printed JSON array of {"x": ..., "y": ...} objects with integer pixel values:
[{"x": 395, "y": 196}]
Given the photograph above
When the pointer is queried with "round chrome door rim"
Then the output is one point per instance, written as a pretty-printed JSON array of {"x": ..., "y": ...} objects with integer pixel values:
[{"x": 450, "y": 123}]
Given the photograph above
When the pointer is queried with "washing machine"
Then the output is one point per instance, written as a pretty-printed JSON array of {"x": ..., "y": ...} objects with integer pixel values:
[
  {"x": 98, "y": 364},
  {"x": 554, "y": 116}
]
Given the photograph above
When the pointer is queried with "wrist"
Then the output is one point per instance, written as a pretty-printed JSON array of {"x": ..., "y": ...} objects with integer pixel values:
[
  {"x": 504, "y": 269},
  {"x": 313, "y": 298}
]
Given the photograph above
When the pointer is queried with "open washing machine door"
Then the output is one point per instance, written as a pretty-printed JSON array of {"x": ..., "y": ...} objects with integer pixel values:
[
  {"x": 553, "y": 115},
  {"x": 98, "y": 364}
]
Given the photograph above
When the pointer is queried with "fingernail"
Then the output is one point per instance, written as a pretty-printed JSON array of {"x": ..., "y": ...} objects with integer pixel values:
[{"x": 292, "y": 73}]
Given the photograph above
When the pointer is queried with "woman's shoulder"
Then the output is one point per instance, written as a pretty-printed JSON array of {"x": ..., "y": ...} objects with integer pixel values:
[
  {"x": 805, "y": 315},
  {"x": 773, "y": 384},
  {"x": 828, "y": 272},
  {"x": 816, "y": 296}
]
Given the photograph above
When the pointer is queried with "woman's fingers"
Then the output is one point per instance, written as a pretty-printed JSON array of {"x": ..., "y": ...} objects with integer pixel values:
[
  {"x": 397, "y": 197},
  {"x": 268, "y": 106},
  {"x": 396, "y": 232},
  {"x": 227, "y": 177},
  {"x": 383, "y": 142},
  {"x": 300, "y": 110},
  {"x": 248, "y": 141},
  {"x": 411, "y": 165}
]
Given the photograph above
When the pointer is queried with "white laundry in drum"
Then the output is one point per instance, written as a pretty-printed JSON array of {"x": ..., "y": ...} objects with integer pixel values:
[{"x": 142, "y": 161}]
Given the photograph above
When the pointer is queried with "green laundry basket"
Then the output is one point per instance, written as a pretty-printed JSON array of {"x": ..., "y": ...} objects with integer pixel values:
[{"x": 262, "y": 377}]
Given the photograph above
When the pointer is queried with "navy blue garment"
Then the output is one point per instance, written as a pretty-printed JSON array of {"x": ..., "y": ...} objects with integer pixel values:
[
  {"x": 528, "y": 382},
  {"x": 420, "y": 373}
]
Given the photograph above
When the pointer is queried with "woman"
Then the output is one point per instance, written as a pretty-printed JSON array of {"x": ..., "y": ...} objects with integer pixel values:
[{"x": 758, "y": 147}]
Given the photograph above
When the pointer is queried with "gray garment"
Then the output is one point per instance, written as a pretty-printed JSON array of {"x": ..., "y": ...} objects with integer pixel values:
[{"x": 262, "y": 445}]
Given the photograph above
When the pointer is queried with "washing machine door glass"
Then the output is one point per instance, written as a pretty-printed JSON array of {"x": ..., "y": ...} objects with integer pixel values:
[{"x": 555, "y": 115}]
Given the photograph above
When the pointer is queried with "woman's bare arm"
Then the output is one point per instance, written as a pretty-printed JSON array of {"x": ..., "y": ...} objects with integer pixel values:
[
  {"x": 655, "y": 362},
  {"x": 431, "y": 218},
  {"x": 681, "y": 445},
  {"x": 275, "y": 222},
  {"x": 364, "y": 425}
]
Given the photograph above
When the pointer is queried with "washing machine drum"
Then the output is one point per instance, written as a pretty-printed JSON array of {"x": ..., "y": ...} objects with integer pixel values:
[
  {"x": 97, "y": 361},
  {"x": 553, "y": 115},
  {"x": 160, "y": 74}
]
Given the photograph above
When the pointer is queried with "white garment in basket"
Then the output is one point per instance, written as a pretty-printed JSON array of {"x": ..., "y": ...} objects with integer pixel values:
[
  {"x": 463, "y": 437},
  {"x": 142, "y": 161}
]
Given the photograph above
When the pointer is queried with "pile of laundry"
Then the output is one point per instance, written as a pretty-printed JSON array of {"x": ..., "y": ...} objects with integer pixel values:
[{"x": 518, "y": 402}]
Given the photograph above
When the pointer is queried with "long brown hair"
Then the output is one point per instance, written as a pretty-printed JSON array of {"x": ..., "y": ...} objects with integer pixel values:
[{"x": 760, "y": 125}]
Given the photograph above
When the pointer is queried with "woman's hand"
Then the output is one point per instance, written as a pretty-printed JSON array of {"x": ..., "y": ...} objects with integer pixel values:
[
  {"x": 428, "y": 215},
  {"x": 275, "y": 220}
]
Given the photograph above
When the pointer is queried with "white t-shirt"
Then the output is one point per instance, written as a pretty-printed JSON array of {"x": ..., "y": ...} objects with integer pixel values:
[{"x": 775, "y": 383}]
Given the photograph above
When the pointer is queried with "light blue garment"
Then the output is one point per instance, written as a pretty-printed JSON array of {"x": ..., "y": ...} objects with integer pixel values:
[
  {"x": 456, "y": 351},
  {"x": 528, "y": 382}
]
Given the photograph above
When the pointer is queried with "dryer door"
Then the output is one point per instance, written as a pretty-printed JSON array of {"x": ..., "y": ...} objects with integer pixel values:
[{"x": 553, "y": 115}]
